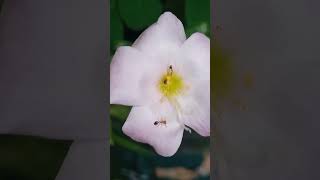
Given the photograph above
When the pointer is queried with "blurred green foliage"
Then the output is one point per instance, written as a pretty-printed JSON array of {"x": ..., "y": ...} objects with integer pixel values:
[
  {"x": 31, "y": 158},
  {"x": 128, "y": 18},
  {"x": 131, "y": 12},
  {"x": 116, "y": 27},
  {"x": 1, "y": 2},
  {"x": 198, "y": 16}
]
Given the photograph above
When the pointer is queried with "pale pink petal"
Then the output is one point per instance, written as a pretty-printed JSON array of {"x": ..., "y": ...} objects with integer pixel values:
[
  {"x": 196, "y": 108},
  {"x": 133, "y": 78},
  {"x": 196, "y": 51},
  {"x": 165, "y": 139},
  {"x": 165, "y": 34}
]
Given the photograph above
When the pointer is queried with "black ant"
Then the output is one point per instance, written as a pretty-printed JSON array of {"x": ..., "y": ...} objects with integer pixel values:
[{"x": 161, "y": 122}]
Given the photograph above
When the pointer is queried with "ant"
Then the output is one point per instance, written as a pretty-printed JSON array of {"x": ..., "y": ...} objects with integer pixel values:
[
  {"x": 161, "y": 122},
  {"x": 170, "y": 70},
  {"x": 169, "y": 73}
]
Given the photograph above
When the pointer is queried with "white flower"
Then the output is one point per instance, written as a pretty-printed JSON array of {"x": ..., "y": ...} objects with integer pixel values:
[{"x": 166, "y": 79}]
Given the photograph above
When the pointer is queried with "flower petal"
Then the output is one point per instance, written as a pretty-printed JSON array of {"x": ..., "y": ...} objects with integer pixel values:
[
  {"x": 133, "y": 78},
  {"x": 165, "y": 139},
  {"x": 166, "y": 33},
  {"x": 196, "y": 108},
  {"x": 196, "y": 51}
]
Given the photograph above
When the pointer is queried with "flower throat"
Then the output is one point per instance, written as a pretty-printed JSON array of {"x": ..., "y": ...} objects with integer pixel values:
[{"x": 171, "y": 84}]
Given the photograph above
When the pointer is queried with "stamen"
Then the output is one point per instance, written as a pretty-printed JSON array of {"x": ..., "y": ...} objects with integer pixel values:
[
  {"x": 171, "y": 84},
  {"x": 170, "y": 70},
  {"x": 165, "y": 81}
]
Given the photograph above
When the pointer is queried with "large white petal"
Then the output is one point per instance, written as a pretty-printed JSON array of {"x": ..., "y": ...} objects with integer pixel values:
[
  {"x": 164, "y": 139},
  {"x": 196, "y": 52},
  {"x": 165, "y": 34},
  {"x": 196, "y": 107},
  {"x": 133, "y": 78}
]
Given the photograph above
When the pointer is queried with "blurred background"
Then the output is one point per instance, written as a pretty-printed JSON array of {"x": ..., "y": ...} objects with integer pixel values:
[
  {"x": 132, "y": 160},
  {"x": 29, "y": 157},
  {"x": 268, "y": 126},
  {"x": 47, "y": 50}
]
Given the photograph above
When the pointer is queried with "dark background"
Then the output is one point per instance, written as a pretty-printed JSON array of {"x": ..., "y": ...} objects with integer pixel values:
[
  {"x": 53, "y": 84},
  {"x": 54, "y": 68},
  {"x": 275, "y": 135}
]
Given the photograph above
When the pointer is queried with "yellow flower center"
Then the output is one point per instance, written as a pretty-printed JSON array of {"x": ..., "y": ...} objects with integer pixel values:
[{"x": 171, "y": 84}]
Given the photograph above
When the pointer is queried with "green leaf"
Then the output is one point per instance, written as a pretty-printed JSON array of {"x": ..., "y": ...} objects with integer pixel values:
[
  {"x": 119, "y": 112},
  {"x": 113, "y": 4},
  {"x": 197, "y": 12},
  {"x": 130, "y": 145},
  {"x": 116, "y": 27},
  {"x": 111, "y": 142},
  {"x": 110, "y": 133},
  {"x": 121, "y": 43},
  {"x": 202, "y": 28},
  {"x": 138, "y": 14}
]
